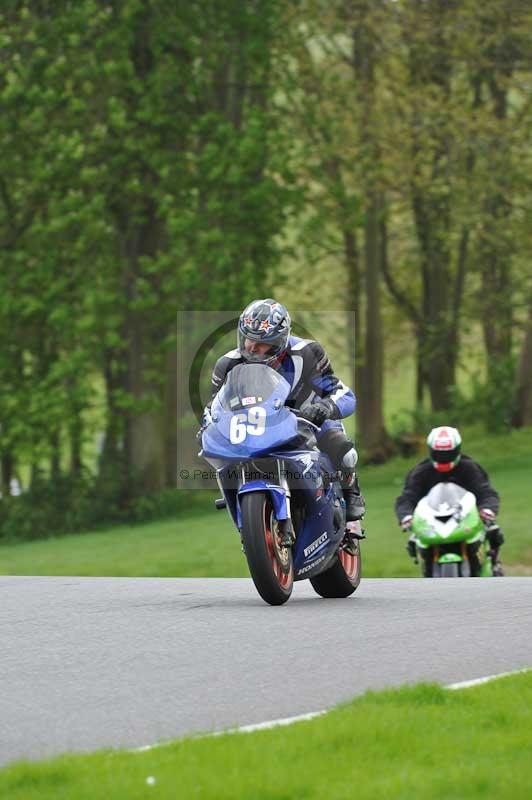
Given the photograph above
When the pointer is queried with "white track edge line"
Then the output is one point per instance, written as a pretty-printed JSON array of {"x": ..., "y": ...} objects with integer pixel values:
[
  {"x": 258, "y": 726},
  {"x": 273, "y": 723},
  {"x": 277, "y": 723},
  {"x": 485, "y": 679}
]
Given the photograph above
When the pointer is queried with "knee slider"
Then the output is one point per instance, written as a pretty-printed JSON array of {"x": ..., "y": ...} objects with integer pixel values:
[{"x": 350, "y": 459}]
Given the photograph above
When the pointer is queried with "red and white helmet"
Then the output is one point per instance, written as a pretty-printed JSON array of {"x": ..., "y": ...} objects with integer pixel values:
[{"x": 444, "y": 446}]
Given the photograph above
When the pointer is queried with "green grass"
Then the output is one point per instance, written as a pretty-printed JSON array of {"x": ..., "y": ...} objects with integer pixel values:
[
  {"x": 422, "y": 741},
  {"x": 205, "y": 543},
  {"x": 197, "y": 544}
]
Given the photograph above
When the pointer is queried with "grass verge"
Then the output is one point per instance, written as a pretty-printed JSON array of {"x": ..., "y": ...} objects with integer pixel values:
[
  {"x": 422, "y": 741},
  {"x": 203, "y": 542}
]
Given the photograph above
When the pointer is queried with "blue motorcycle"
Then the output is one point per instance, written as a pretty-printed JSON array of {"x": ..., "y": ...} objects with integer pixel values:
[{"x": 281, "y": 491}]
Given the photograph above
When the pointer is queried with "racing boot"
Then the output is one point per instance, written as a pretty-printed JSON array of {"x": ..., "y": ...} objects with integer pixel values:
[
  {"x": 496, "y": 539},
  {"x": 355, "y": 508},
  {"x": 497, "y": 570},
  {"x": 496, "y": 566}
]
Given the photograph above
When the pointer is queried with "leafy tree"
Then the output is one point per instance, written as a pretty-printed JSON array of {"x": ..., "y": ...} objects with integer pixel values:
[
  {"x": 143, "y": 178},
  {"x": 330, "y": 97}
]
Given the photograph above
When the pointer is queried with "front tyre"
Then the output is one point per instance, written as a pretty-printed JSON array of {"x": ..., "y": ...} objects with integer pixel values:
[
  {"x": 269, "y": 563},
  {"x": 448, "y": 571},
  {"x": 342, "y": 578}
]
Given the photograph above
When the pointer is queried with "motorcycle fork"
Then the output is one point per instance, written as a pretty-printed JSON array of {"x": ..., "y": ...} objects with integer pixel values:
[{"x": 286, "y": 528}]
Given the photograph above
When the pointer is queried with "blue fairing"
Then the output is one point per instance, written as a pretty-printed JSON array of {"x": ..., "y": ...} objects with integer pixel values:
[
  {"x": 277, "y": 493},
  {"x": 251, "y": 393},
  {"x": 281, "y": 426}
]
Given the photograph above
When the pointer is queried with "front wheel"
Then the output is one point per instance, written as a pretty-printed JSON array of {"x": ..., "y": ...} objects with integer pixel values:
[
  {"x": 447, "y": 571},
  {"x": 342, "y": 578},
  {"x": 269, "y": 563}
]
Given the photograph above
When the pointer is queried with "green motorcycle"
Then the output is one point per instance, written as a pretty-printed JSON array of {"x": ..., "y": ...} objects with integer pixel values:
[{"x": 448, "y": 535}]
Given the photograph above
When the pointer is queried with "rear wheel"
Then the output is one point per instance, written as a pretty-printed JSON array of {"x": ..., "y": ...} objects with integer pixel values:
[
  {"x": 269, "y": 563},
  {"x": 342, "y": 578}
]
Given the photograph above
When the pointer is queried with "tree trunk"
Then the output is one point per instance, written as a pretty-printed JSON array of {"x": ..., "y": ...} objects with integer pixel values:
[
  {"x": 141, "y": 234},
  {"x": 55, "y": 458},
  {"x": 438, "y": 347},
  {"x": 170, "y": 418},
  {"x": 439, "y": 351},
  {"x": 495, "y": 255},
  {"x": 76, "y": 438},
  {"x": 113, "y": 434},
  {"x": 372, "y": 433},
  {"x": 432, "y": 151},
  {"x": 7, "y": 470},
  {"x": 145, "y": 438},
  {"x": 190, "y": 401},
  {"x": 353, "y": 305},
  {"x": 421, "y": 372},
  {"x": 496, "y": 243},
  {"x": 523, "y": 398},
  {"x": 495, "y": 258},
  {"x": 36, "y": 475},
  {"x": 373, "y": 437}
]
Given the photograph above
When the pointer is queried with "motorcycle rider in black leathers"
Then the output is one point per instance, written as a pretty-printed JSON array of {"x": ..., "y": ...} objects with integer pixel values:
[
  {"x": 264, "y": 336},
  {"x": 447, "y": 463}
]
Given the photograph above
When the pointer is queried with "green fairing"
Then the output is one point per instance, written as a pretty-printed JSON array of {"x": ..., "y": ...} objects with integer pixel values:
[
  {"x": 473, "y": 525},
  {"x": 469, "y": 530},
  {"x": 450, "y": 558},
  {"x": 486, "y": 570},
  {"x": 421, "y": 528}
]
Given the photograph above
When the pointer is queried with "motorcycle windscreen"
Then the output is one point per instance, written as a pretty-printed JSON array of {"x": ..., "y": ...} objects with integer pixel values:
[
  {"x": 445, "y": 498},
  {"x": 251, "y": 384},
  {"x": 248, "y": 414}
]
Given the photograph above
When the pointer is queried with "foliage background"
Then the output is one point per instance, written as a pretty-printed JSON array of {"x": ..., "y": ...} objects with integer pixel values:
[{"x": 369, "y": 158}]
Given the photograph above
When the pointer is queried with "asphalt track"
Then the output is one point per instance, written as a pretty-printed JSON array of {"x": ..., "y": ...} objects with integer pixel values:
[{"x": 87, "y": 663}]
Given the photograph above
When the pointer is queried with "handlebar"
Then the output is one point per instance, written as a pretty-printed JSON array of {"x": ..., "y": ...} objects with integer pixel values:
[{"x": 296, "y": 411}]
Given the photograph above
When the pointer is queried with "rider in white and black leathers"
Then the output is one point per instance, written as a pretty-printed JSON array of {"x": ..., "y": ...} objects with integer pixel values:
[{"x": 264, "y": 337}]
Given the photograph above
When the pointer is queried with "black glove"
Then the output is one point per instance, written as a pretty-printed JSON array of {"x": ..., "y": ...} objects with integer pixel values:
[
  {"x": 319, "y": 412},
  {"x": 495, "y": 537},
  {"x": 412, "y": 548}
]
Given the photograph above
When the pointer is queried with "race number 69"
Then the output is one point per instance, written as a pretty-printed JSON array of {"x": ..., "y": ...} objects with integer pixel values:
[{"x": 253, "y": 422}]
